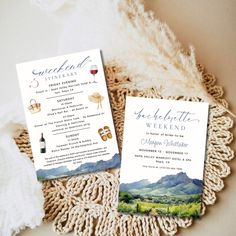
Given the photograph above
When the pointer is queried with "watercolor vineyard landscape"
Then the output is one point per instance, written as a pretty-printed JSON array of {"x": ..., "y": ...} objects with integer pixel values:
[{"x": 173, "y": 195}]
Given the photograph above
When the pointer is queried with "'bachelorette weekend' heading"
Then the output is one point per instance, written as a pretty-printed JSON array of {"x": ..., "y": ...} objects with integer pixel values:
[{"x": 168, "y": 116}]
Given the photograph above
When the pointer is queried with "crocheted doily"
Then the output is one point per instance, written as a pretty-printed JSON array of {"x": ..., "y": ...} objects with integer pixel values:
[{"x": 87, "y": 204}]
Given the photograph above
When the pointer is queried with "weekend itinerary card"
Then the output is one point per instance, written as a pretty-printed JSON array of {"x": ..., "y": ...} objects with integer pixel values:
[
  {"x": 68, "y": 115},
  {"x": 163, "y": 157}
]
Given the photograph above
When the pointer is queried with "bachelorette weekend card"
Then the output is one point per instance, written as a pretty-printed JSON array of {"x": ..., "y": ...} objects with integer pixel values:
[
  {"x": 68, "y": 115},
  {"x": 163, "y": 157}
]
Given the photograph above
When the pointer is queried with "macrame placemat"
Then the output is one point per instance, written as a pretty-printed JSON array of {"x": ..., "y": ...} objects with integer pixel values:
[{"x": 87, "y": 204}]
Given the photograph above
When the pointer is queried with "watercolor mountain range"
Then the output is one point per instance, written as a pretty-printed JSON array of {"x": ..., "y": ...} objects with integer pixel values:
[
  {"x": 179, "y": 184},
  {"x": 172, "y": 195},
  {"x": 63, "y": 171}
]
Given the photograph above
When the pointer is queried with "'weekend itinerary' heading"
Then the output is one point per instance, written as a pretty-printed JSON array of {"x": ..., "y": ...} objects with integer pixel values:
[{"x": 58, "y": 71}]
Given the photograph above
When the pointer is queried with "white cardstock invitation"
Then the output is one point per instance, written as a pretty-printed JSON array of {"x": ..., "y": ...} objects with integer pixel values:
[
  {"x": 68, "y": 115},
  {"x": 163, "y": 157}
]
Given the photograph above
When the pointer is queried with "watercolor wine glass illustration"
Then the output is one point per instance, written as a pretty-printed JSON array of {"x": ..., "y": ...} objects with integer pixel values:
[{"x": 94, "y": 71}]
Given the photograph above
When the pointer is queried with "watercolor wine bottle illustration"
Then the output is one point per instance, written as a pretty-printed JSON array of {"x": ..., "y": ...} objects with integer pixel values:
[{"x": 42, "y": 144}]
